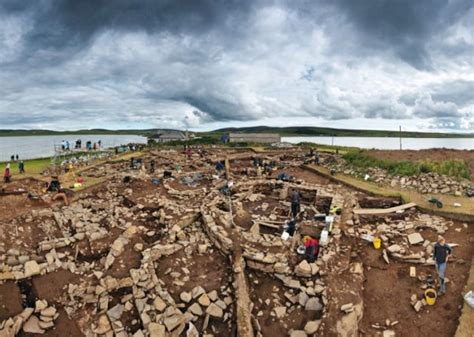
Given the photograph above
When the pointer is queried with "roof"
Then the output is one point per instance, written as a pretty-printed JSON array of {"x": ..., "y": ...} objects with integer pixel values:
[
  {"x": 253, "y": 135},
  {"x": 169, "y": 135}
]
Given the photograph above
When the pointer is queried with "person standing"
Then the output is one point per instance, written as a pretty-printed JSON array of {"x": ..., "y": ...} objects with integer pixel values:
[
  {"x": 441, "y": 253},
  {"x": 7, "y": 174},
  {"x": 295, "y": 203},
  {"x": 21, "y": 167}
]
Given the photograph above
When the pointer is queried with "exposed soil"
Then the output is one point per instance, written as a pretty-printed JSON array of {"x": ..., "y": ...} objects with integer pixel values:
[
  {"x": 266, "y": 289},
  {"x": 384, "y": 289},
  {"x": 388, "y": 289},
  {"x": 10, "y": 300}
]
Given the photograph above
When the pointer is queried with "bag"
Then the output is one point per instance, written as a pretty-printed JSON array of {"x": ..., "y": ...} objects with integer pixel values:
[{"x": 469, "y": 298}]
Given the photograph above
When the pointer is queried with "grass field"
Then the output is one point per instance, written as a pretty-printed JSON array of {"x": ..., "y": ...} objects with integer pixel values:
[
  {"x": 452, "y": 167},
  {"x": 467, "y": 204}
]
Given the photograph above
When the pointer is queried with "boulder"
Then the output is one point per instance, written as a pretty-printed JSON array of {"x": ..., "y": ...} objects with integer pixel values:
[{"x": 303, "y": 269}]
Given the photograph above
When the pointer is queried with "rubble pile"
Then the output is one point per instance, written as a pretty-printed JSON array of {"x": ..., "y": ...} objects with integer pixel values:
[{"x": 196, "y": 254}]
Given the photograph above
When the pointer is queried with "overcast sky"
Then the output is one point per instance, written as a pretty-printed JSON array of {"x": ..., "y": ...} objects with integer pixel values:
[{"x": 204, "y": 64}]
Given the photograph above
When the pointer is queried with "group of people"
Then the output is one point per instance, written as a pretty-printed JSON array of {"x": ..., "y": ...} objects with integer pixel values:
[
  {"x": 66, "y": 146},
  {"x": 7, "y": 174},
  {"x": 264, "y": 167}
]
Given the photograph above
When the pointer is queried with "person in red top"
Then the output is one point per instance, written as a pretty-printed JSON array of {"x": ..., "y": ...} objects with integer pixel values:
[
  {"x": 6, "y": 174},
  {"x": 312, "y": 249}
]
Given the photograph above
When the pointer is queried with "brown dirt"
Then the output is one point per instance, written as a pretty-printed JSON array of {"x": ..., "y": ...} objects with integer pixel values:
[
  {"x": 264, "y": 287},
  {"x": 53, "y": 286},
  {"x": 63, "y": 327},
  {"x": 211, "y": 271},
  {"x": 430, "y": 154},
  {"x": 388, "y": 289},
  {"x": 10, "y": 300}
]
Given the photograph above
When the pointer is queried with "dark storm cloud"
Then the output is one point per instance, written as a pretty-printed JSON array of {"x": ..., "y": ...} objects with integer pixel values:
[
  {"x": 404, "y": 26},
  {"x": 60, "y": 23},
  {"x": 192, "y": 62}
]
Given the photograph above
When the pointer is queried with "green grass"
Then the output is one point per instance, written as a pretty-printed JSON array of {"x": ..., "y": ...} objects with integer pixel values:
[
  {"x": 36, "y": 166},
  {"x": 453, "y": 168}
]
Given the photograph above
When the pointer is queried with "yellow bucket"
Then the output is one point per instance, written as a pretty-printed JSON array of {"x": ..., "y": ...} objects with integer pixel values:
[
  {"x": 430, "y": 296},
  {"x": 377, "y": 243}
]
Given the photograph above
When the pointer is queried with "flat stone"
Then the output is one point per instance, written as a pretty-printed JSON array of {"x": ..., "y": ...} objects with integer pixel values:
[
  {"x": 415, "y": 238},
  {"x": 280, "y": 312},
  {"x": 103, "y": 325},
  {"x": 48, "y": 312},
  {"x": 418, "y": 306},
  {"x": 40, "y": 305},
  {"x": 313, "y": 304},
  {"x": 214, "y": 311},
  {"x": 32, "y": 326},
  {"x": 303, "y": 298},
  {"x": 185, "y": 297},
  {"x": 159, "y": 304},
  {"x": 156, "y": 330},
  {"x": 197, "y": 291},
  {"x": 173, "y": 322},
  {"x": 204, "y": 300},
  {"x": 196, "y": 309},
  {"x": 213, "y": 296},
  {"x": 394, "y": 248},
  {"x": 347, "y": 308},
  {"x": 303, "y": 269},
  {"x": 115, "y": 312},
  {"x": 388, "y": 333},
  {"x": 311, "y": 327},
  {"x": 32, "y": 268},
  {"x": 298, "y": 333}
]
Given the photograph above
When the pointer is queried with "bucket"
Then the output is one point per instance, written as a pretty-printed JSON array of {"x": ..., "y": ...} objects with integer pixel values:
[
  {"x": 430, "y": 296},
  {"x": 377, "y": 243}
]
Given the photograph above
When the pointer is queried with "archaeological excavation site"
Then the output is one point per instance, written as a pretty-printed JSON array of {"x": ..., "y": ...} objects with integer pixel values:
[{"x": 226, "y": 242}]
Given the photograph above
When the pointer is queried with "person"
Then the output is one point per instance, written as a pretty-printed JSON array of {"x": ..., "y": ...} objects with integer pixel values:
[
  {"x": 441, "y": 253},
  {"x": 220, "y": 166},
  {"x": 6, "y": 174},
  {"x": 311, "y": 248},
  {"x": 132, "y": 162},
  {"x": 17, "y": 157},
  {"x": 54, "y": 185},
  {"x": 21, "y": 167},
  {"x": 291, "y": 228},
  {"x": 12, "y": 157},
  {"x": 295, "y": 203},
  {"x": 152, "y": 166}
]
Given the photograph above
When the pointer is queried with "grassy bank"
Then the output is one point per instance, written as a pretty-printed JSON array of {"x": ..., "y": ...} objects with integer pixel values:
[
  {"x": 465, "y": 212},
  {"x": 452, "y": 167},
  {"x": 34, "y": 167}
]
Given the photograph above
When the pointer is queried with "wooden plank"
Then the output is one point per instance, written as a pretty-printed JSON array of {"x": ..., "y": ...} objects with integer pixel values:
[
  {"x": 375, "y": 211},
  {"x": 268, "y": 225}
]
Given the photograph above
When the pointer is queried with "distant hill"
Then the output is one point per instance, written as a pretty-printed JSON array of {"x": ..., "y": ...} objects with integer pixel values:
[
  {"x": 22, "y": 132},
  {"x": 318, "y": 131},
  {"x": 284, "y": 131}
]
